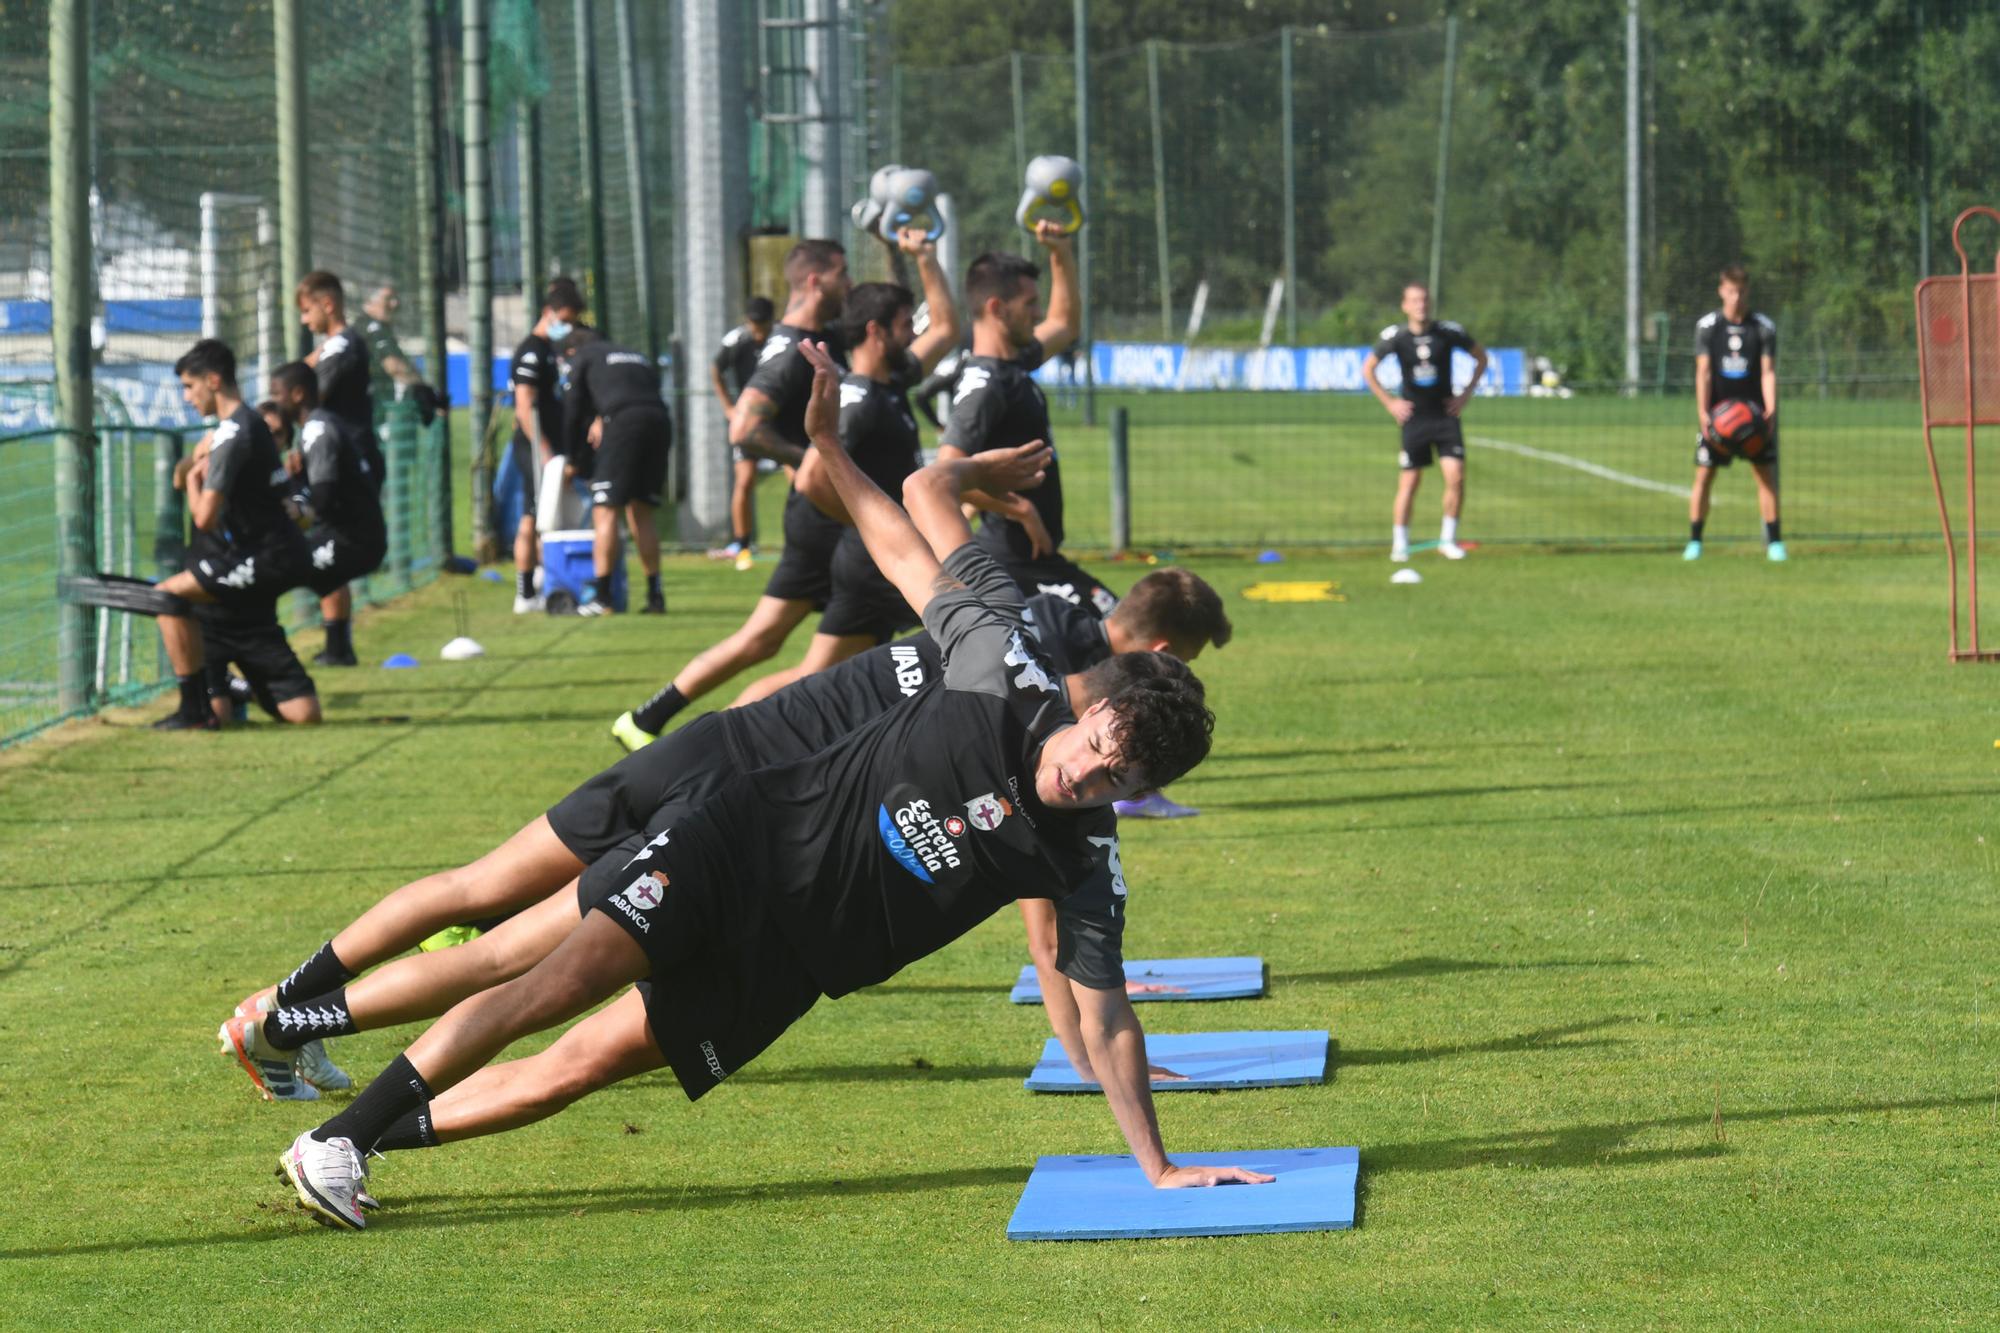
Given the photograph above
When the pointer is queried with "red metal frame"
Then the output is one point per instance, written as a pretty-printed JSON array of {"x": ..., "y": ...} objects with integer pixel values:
[{"x": 1967, "y": 413}]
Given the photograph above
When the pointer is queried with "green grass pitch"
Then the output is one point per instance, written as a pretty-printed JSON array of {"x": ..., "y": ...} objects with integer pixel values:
[{"x": 1651, "y": 907}]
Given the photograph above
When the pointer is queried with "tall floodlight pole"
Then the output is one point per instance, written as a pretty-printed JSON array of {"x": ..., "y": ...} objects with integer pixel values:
[
  {"x": 713, "y": 166},
  {"x": 1923, "y": 154},
  {"x": 294, "y": 219},
  {"x": 1291, "y": 191},
  {"x": 635, "y": 179},
  {"x": 478, "y": 270},
  {"x": 1632, "y": 167},
  {"x": 1444, "y": 157},
  {"x": 1018, "y": 83},
  {"x": 1159, "y": 188},
  {"x": 528, "y": 152},
  {"x": 70, "y": 263},
  {"x": 425, "y": 141},
  {"x": 1082, "y": 13},
  {"x": 592, "y": 175}
]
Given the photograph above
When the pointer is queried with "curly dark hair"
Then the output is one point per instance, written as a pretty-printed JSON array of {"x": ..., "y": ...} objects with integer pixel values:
[
  {"x": 1120, "y": 671},
  {"x": 1162, "y": 725}
]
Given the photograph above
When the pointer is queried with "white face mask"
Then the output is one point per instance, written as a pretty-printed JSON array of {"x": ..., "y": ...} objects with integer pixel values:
[{"x": 558, "y": 329}]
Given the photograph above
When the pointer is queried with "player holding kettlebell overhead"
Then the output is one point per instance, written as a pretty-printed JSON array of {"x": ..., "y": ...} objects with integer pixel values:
[{"x": 1736, "y": 404}]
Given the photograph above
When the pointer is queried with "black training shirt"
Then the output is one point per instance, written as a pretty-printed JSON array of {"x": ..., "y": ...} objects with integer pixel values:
[
  {"x": 605, "y": 380},
  {"x": 785, "y": 377},
  {"x": 903, "y": 835},
  {"x": 1736, "y": 355},
  {"x": 878, "y": 429},
  {"x": 1425, "y": 359},
  {"x": 343, "y": 382},
  {"x": 535, "y": 366},
  {"x": 737, "y": 358},
  {"x": 998, "y": 405},
  {"x": 340, "y": 478},
  {"x": 1071, "y": 637},
  {"x": 243, "y": 464}
]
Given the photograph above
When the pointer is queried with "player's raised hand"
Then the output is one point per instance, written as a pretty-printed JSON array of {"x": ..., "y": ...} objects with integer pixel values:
[
  {"x": 1050, "y": 236},
  {"x": 1018, "y": 469},
  {"x": 823, "y": 406},
  {"x": 1199, "y": 1177},
  {"x": 915, "y": 241}
]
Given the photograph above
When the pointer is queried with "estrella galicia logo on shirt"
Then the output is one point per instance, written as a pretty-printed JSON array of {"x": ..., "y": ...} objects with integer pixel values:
[{"x": 917, "y": 836}]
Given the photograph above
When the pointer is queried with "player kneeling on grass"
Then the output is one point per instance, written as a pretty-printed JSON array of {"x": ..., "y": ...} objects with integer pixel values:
[
  {"x": 348, "y": 536},
  {"x": 252, "y": 553},
  {"x": 833, "y": 873},
  {"x": 1736, "y": 404},
  {"x": 1428, "y": 412}
]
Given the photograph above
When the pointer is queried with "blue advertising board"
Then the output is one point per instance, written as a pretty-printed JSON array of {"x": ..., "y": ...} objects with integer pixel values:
[{"x": 1269, "y": 369}]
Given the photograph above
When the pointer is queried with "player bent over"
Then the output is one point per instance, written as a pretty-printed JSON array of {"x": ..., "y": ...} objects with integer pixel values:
[
  {"x": 1735, "y": 363},
  {"x": 1428, "y": 412},
  {"x": 349, "y": 537},
  {"x": 612, "y": 404},
  {"x": 797, "y": 881},
  {"x": 254, "y": 552}
]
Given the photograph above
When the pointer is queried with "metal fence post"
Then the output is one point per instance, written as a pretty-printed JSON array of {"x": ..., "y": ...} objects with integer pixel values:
[
  {"x": 478, "y": 267},
  {"x": 430, "y": 266},
  {"x": 534, "y": 260},
  {"x": 635, "y": 177},
  {"x": 70, "y": 265},
  {"x": 1081, "y": 10},
  {"x": 294, "y": 217},
  {"x": 592, "y": 175},
  {"x": 1159, "y": 188},
  {"x": 1291, "y": 193},
  {"x": 1020, "y": 115},
  {"x": 1444, "y": 157},
  {"x": 1632, "y": 167},
  {"x": 169, "y": 527},
  {"x": 1121, "y": 480}
]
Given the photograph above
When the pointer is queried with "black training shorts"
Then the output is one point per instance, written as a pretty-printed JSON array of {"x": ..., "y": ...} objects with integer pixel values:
[
  {"x": 1059, "y": 576},
  {"x": 262, "y": 653},
  {"x": 864, "y": 601},
  {"x": 684, "y": 765},
  {"x": 805, "y": 566},
  {"x": 339, "y": 558},
  {"x": 1424, "y": 437},
  {"x": 725, "y": 982},
  {"x": 1712, "y": 452},
  {"x": 248, "y": 582},
  {"x": 632, "y": 457}
]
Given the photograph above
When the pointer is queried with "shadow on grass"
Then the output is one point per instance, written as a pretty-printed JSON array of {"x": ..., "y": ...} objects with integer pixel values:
[
  {"x": 140, "y": 889},
  {"x": 900, "y": 1071},
  {"x": 1541, "y": 1039},
  {"x": 1333, "y": 803},
  {"x": 401, "y": 874},
  {"x": 1404, "y": 968}
]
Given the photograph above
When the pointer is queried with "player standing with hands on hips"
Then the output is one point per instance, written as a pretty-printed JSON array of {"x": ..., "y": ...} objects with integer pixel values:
[
  {"x": 1428, "y": 412},
  {"x": 1736, "y": 403}
]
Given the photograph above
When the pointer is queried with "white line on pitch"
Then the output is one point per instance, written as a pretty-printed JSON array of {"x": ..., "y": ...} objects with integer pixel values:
[{"x": 1581, "y": 465}]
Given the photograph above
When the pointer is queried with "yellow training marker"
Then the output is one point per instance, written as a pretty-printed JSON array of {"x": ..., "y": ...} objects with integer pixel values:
[{"x": 1304, "y": 591}]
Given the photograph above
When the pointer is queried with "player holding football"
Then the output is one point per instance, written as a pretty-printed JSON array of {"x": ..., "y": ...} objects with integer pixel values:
[
  {"x": 1427, "y": 411},
  {"x": 1736, "y": 406},
  {"x": 795, "y": 882}
]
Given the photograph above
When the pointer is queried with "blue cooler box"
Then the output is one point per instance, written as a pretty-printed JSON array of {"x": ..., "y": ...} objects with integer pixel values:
[{"x": 566, "y": 564}]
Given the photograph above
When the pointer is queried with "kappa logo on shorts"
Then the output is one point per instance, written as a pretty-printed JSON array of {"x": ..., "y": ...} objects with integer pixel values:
[
  {"x": 646, "y": 853},
  {"x": 1033, "y": 674},
  {"x": 713, "y": 1061},
  {"x": 323, "y": 556},
  {"x": 909, "y": 668},
  {"x": 987, "y": 812}
]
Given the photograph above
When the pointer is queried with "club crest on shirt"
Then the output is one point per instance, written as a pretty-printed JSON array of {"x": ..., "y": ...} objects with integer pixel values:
[{"x": 986, "y": 812}]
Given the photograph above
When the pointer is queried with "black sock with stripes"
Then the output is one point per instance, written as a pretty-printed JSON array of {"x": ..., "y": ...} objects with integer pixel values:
[
  {"x": 315, "y": 976},
  {"x": 291, "y": 1026}
]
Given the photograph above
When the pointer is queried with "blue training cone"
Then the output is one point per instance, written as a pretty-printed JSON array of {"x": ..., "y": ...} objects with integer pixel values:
[
  {"x": 1269, "y": 558},
  {"x": 399, "y": 662}
]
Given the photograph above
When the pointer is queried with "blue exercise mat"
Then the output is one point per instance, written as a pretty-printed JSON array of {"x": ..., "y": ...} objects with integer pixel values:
[
  {"x": 1210, "y": 1060},
  {"x": 1109, "y": 1198},
  {"x": 1187, "y": 978}
]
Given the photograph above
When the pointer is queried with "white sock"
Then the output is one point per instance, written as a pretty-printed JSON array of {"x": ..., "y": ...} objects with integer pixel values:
[
  {"x": 1448, "y": 531},
  {"x": 1401, "y": 540}
]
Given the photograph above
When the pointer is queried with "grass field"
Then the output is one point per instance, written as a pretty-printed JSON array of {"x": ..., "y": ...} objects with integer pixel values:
[{"x": 1651, "y": 908}]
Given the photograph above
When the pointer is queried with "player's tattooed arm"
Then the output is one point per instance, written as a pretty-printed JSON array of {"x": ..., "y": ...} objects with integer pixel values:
[
  {"x": 894, "y": 543},
  {"x": 750, "y": 429}
]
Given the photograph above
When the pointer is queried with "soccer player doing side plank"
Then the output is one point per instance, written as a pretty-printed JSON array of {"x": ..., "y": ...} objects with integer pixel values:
[{"x": 826, "y": 875}]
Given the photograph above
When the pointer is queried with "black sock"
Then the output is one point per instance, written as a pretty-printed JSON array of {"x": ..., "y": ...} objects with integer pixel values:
[
  {"x": 315, "y": 976},
  {"x": 656, "y": 712},
  {"x": 744, "y": 539},
  {"x": 340, "y": 637},
  {"x": 194, "y": 694},
  {"x": 524, "y": 582},
  {"x": 396, "y": 1091},
  {"x": 290, "y": 1026},
  {"x": 601, "y": 585},
  {"x": 1771, "y": 531},
  {"x": 1694, "y": 529},
  {"x": 653, "y": 593},
  {"x": 412, "y": 1130}
]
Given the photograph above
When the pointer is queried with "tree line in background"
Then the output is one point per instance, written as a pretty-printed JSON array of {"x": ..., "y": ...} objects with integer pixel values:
[{"x": 1800, "y": 137}]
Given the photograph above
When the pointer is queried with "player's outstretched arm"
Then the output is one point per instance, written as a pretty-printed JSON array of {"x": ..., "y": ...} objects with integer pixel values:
[
  {"x": 1065, "y": 318},
  {"x": 942, "y": 335},
  {"x": 933, "y": 494},
  {"x": 1116, "y": 1045},
  {"x": 893, "y": 542}
]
